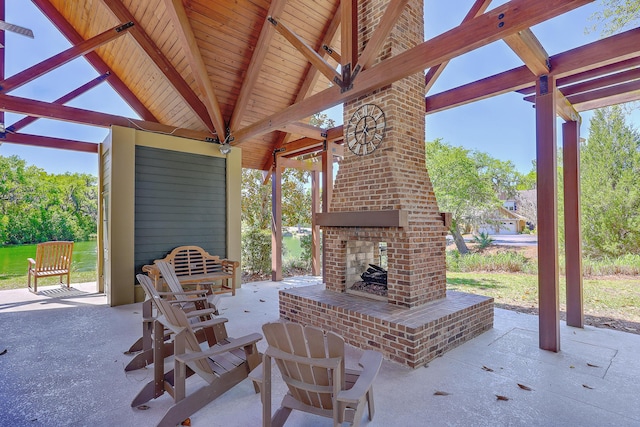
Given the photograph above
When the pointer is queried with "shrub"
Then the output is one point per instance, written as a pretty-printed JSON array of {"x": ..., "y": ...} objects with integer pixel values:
[
  {"x": 512, "y": 262},
  {"x": 483, "y": 240},
  {"x": 256, "y": 251}
]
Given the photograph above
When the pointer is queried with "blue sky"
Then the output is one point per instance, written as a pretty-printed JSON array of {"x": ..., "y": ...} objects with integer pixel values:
[{"x": 503, "y": 126}]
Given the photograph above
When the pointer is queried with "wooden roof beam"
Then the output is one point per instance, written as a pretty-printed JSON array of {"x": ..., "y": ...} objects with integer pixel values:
[
  {"x": 527, "y": 46},
  {"x": 51, "y": 142},
  {"x": 178, "y": 16},
  {"x": 521, "y": 14},
  {"x": 332, "y": 53},
  {"x": 174, "y": 78},
  {"x": 372, "y": 49},
  {"x": 49, "y": 110},
  {"x": 32, "y": 73},
  {"x": 478, "y": 8},
  {"x": 311, "y": 55},
  {"x": 612, "y": 95},
  {"x": 349, "y": 33},
  {"x": 601, "y": 53},
  {"x": 94, "y": 59},
  {"x": 257, "y": 59},
  {"x": 590, "y": 75},
  {"x": 285, "y": 162},
  {"x": 304, "y": 129},
  {"x": 62, "y": 100},
  {"x": 565, "y": 109}
]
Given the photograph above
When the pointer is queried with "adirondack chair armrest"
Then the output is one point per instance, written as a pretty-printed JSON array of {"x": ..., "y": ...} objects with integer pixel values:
[
  {"x": 187, "y": 293},
  {"x": 203, "y": 312},
  {"x": 247, "y": 340},
  {"x": 370, "y": 363},
  {"x": 209, "y": 323},
  {"x": 257, "y": 374}
]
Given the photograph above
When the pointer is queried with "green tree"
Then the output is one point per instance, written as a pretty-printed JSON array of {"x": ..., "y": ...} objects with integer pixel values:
[
  {"x": 460, "y": 187},
  {"x": 610, "y": 184},
  {"x": 616, "y": 16}
]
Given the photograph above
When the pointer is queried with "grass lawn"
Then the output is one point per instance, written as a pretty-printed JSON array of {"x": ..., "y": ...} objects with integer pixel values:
[
  {"x": 17, "y": 282},
  {"x": 604, "y": 297}
]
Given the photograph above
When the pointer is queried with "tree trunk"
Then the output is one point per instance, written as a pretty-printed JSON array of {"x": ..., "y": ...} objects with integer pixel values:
[{"x": 459, "y": 241}]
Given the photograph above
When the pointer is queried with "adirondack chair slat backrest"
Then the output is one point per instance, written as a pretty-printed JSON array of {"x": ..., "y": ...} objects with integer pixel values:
[
  {"x": 313, "y": 385},
  {"x": 169, "y": 274}
]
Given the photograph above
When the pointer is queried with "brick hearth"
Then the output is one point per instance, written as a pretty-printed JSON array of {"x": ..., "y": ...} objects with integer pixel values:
[{"x": 408, "y": 336}]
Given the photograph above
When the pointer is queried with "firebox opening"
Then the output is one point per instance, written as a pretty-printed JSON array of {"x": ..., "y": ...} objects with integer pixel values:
[{"x": 367, "y": 268}]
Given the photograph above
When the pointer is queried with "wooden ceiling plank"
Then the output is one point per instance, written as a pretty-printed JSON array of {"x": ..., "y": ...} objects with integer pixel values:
[
  {"x": 178, "y": 16},
  {"x": 164, "y": 66},
  {"x": 94, "y": 59},
  {"x": 20, "y": 124},
  {"x": 382, "y": 31},
  {"x": 527, "y": 46},
  {"x": 312, "y": 56},
  {"x": 477, "y": 9},
  {"x": 257, "y": 59},
  {"x": 521, "y": 14},
  {"x": 51, "y": 142},
  {"x": 595, "y": 55},
  {"x": 31, "y": 73},
  {"x": 49, "y": 110}
]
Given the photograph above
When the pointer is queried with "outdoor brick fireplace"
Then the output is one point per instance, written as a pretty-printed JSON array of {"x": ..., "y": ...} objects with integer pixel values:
[{"x": 387, "y": 196}]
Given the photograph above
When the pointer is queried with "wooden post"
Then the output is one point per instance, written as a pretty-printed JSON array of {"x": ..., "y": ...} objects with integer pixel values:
[
  {"x": 327, "y": 191},
  {"x": 315, "y": 229},
  {"x": 573, "y": 236},
  {"x": 549, "y": 315},
  {"x": 276, "y": 222}
]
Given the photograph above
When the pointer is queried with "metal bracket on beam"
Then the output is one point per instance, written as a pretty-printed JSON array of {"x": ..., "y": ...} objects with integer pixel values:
[{"x": 124, "y": 27}]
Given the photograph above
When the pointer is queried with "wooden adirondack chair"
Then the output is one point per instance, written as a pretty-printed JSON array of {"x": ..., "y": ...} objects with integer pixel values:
[
  {"x": 186, "y": 297},
  {"x": 52, "y": 259},
  {"x": 198, "y": 308},
  {"x": 312, "y": 365},
  {"x": 222, "y": 366}
]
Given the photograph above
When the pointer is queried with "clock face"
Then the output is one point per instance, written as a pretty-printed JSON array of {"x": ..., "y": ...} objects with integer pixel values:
[{"x": 366, "y": 129}]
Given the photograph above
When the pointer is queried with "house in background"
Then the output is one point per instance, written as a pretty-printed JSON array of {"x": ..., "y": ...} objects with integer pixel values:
[{"x": 505, "y": 220}]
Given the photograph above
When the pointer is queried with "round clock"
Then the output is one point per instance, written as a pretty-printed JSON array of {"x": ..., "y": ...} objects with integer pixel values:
[{"x": 366, "y": 129}]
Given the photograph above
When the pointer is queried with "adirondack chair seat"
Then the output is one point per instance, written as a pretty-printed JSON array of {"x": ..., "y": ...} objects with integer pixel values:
[
  {"x": 195, "y": 266},
  {"x": 52, "y": 259}
]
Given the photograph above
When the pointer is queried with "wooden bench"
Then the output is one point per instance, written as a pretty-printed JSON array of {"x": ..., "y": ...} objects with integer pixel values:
[
  {"x": 195, "y": 266},
  {"x": 52, "y": 259}
]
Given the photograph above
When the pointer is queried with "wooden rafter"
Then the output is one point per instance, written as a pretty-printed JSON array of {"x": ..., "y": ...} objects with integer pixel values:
[
  {"x": 51, "y": 142},
  {"x": 49, "y": 110},
  {"x": 62, "y": 100},
  {"x": 527, "y": 46},
  {"x": 592, "y": 56},
  {"x": 62, "y": 58},
  {"x": 304, "y": 129},
  {"x": 382, "y": 31},
  {"x": 178, "y": 17},
  {"x": 612, "y": 95},
  {"x": 332, "y": 53},
  {"x": 164, "y": 66},
  {"x": 349, "y": 32},
  {"x": 434, "y": 72},
  {"x": 257, "y": 59},
  {"x": 522, "y": 14},
  {"x": 284, "y": 162},
  {"x": 98, "y": 63},
  {"x": 565, "y": 109},
  {"x": 301, "y": 46}
]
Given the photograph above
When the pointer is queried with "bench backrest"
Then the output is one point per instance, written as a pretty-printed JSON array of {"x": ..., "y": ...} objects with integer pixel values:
[
  {"x": 190, "y": 260},
  {"x": 53, "y": 256}
]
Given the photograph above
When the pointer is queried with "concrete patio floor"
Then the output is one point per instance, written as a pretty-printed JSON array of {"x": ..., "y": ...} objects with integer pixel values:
[{"x": 64, "y": 363}]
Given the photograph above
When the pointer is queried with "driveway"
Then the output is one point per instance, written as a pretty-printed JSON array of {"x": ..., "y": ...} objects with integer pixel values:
[{"x": 515, "y": 239}]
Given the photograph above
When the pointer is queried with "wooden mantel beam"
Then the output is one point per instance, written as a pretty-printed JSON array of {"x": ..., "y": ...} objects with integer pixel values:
[
  {"x": 164, "y": 66},
  {"x": 62, "y": 58},
  {"x": 518, "y": 15},
  {"x": 94, "y": 59}
]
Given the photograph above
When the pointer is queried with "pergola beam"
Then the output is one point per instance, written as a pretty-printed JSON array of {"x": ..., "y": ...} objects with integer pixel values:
[
  {"x": 527, "y": 46},
  {"x": 89, "y": 45},
  {"x": 49, "y": 110},
  {"x": 181, "y": 25},
  {"x": 592, "y": 56},
  {"x": 51, "y": 142},
  {"x": 304, "y": 129},
  {"x": 62, "y": 100},
  {"x": 521, "y": 14},
  {"x": 94, "y": 59},
  {"x": 164, "y": 66}
]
